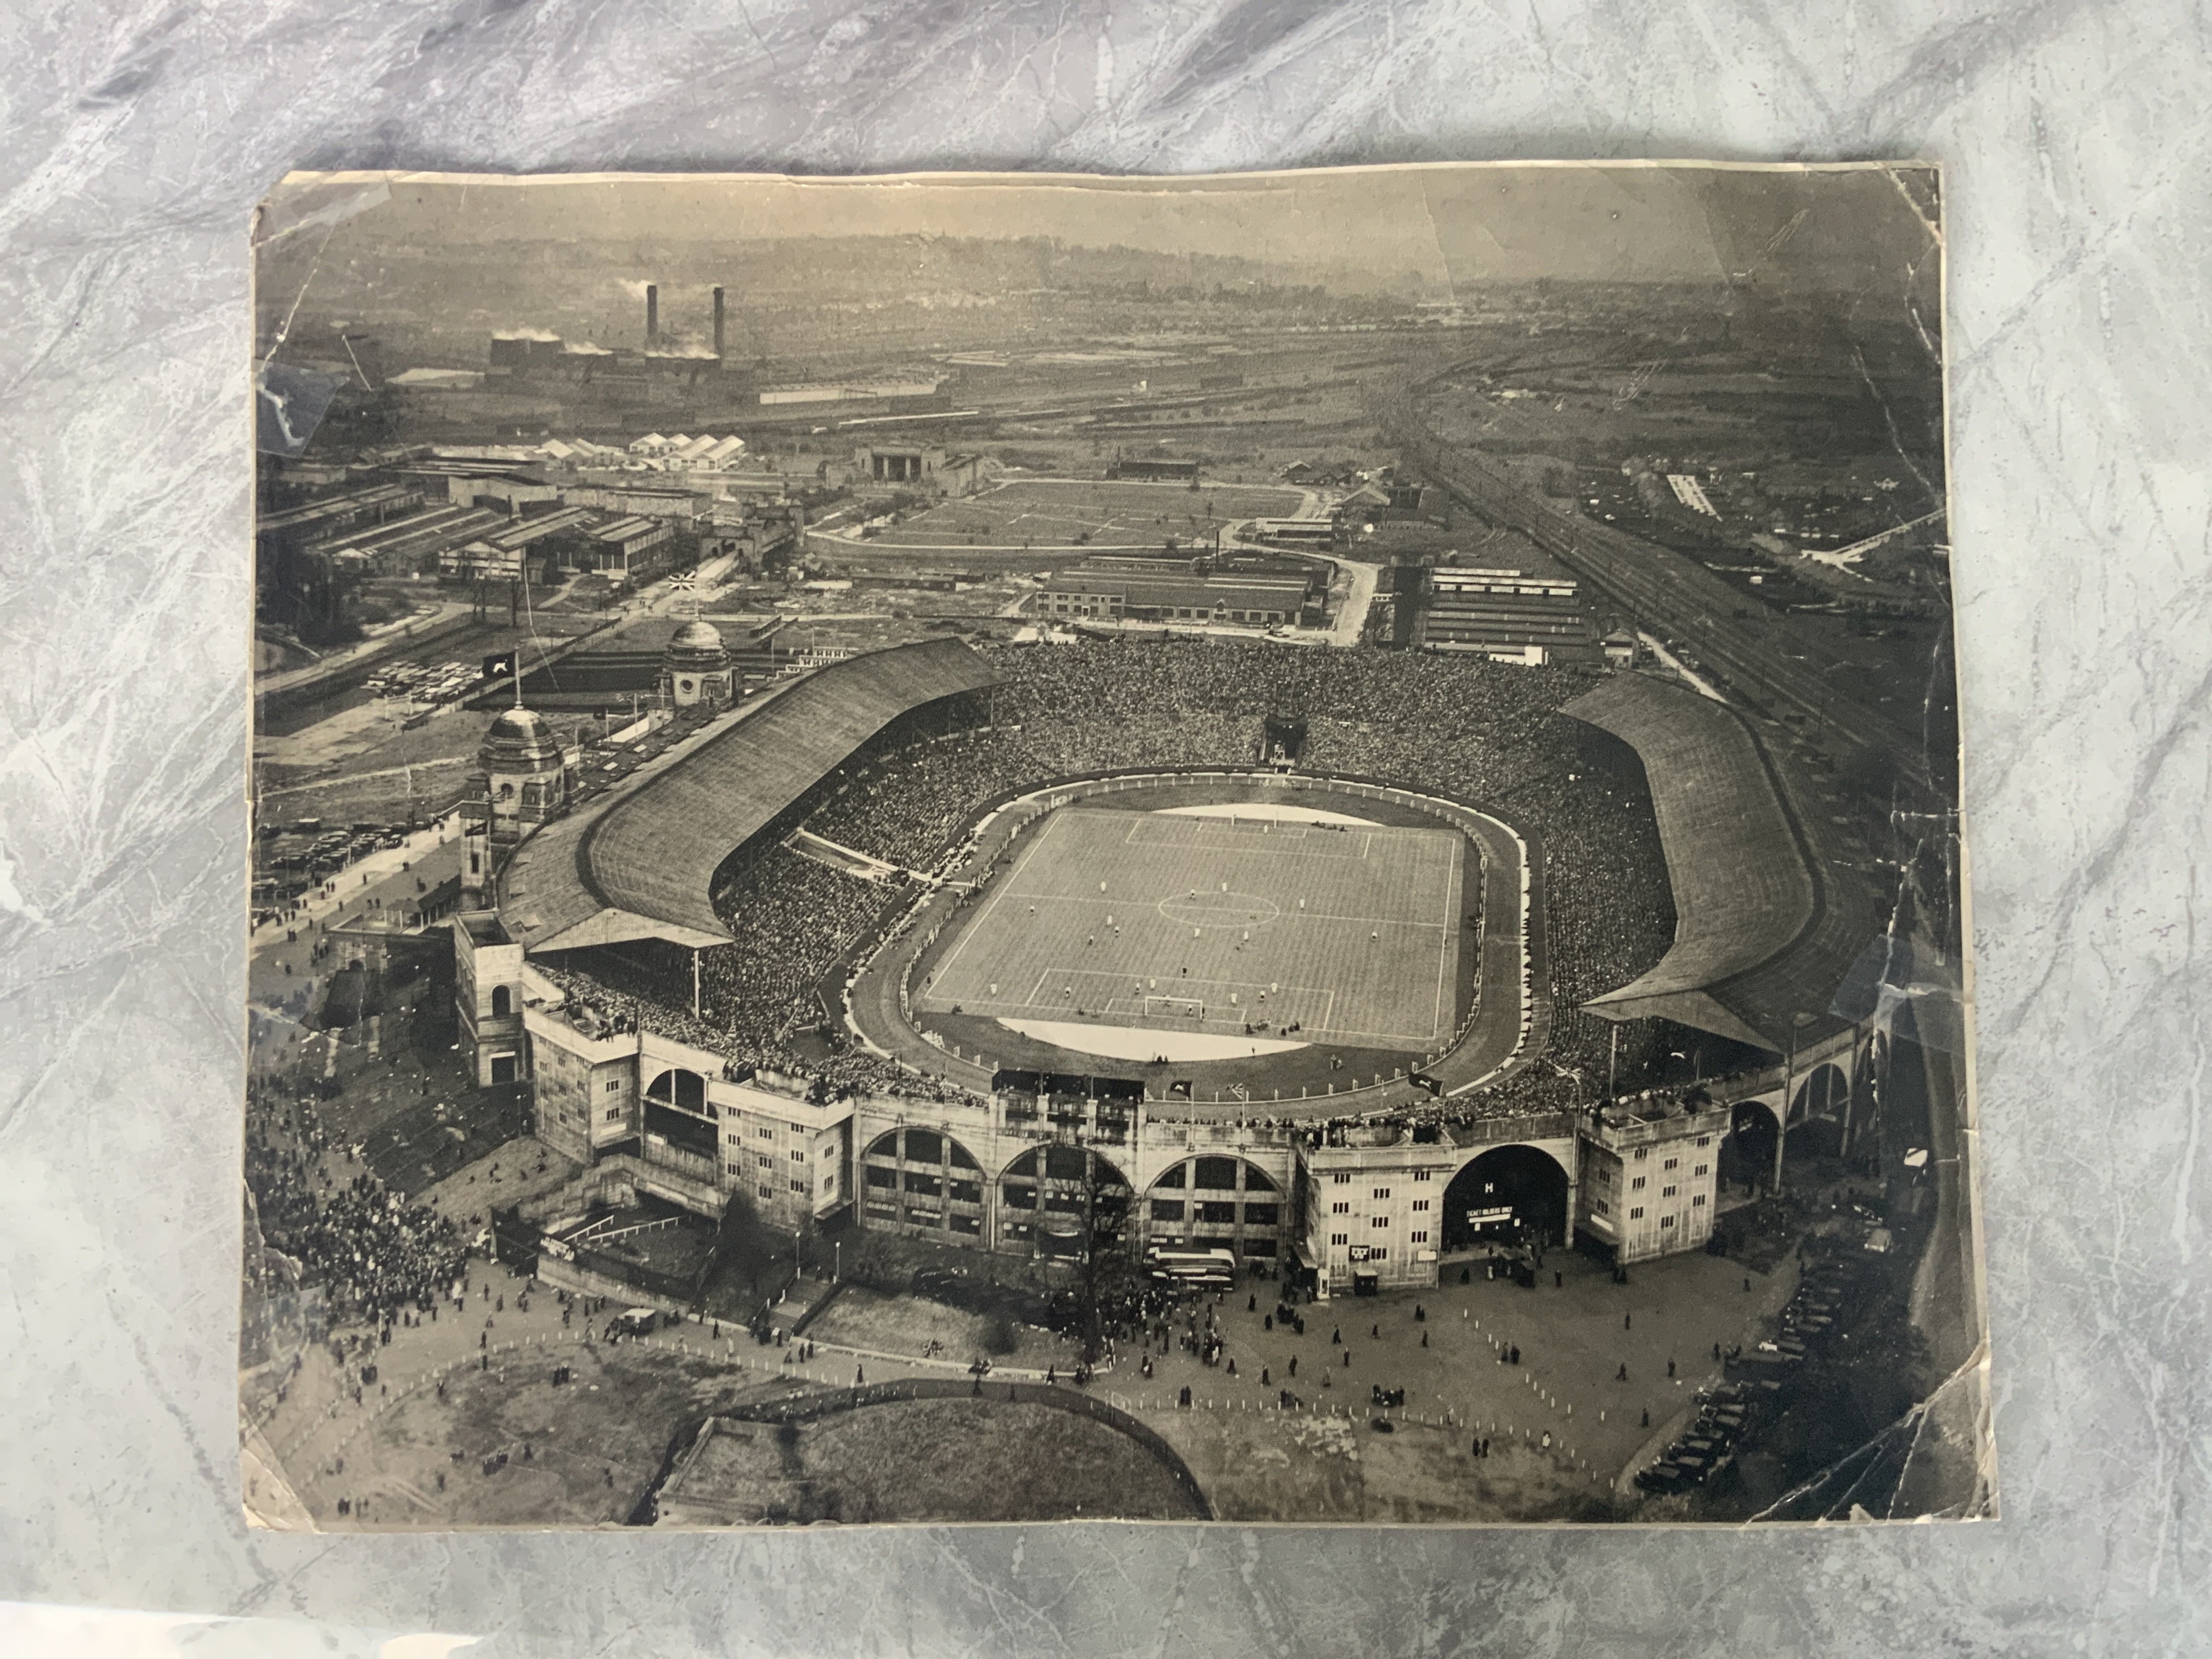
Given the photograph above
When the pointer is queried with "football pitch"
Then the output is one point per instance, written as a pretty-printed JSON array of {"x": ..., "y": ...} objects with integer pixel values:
[{"x": 1171, "y": 923}]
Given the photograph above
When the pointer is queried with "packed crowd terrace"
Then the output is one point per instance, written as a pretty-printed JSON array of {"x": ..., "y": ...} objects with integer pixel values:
[{"x": 1484, "y": 734}]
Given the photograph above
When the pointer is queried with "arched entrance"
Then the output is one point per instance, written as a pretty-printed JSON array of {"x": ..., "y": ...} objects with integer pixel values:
[
  {"x": 922, "y": 1180},
  {"x": 1216, "y": 1204},
  {"x": 676, "y": 1115},
  {"x": 1063, "y": 1201},
  {"x": 1516, "y": 1194},
  {"x": 1747, "y": 1154},
  {"x": 1822, "y": 1094}
]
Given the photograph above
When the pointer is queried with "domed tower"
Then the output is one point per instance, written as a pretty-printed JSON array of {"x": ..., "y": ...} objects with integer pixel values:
[
  {"x": 525, "y": 773},
  {"x": 697, "y": 668}
]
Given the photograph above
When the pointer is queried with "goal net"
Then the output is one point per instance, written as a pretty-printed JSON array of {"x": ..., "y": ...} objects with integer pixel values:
[{"x": 1180, "y": 1007}]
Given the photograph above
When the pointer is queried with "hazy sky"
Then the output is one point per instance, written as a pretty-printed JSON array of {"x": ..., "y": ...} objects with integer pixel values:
[{"x": 1845, "y": 229}]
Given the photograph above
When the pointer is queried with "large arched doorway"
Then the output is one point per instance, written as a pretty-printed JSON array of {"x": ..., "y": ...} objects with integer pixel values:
[
  {"x": 1821, "y": 1093},
  {"x": 1063, "y": 1201},
  {"x": 1217, "y": 1204},
  {"x": 920, "y": 1179},
  {"x": 1510, "y": 1193},
  {"x": 1747, "y": 1154},
  {"x": 676, "y": 1115}
]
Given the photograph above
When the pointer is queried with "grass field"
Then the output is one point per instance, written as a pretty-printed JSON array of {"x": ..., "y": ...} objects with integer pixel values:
[
  {"x": 1168, "y": 922},
  {"x": 931, "y": 1460},
  {"x": 1093, "y": 515}
]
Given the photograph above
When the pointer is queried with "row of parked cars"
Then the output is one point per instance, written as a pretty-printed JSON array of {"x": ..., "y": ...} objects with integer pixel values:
[
  {"x": 296, "y": 856},
  {"x": 423, "y": 682},
  {"x": 1730, "y": 1411}
]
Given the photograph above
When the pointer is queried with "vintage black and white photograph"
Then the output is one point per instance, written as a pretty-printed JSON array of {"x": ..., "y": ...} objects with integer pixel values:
[{"x": 1267, "y": 848}]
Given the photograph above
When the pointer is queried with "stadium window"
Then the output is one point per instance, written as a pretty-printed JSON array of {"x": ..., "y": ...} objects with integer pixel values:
[
  {"x": 1643, "y": 1152},
  {"x": 1378, "y": 1253},
  {"x": 765, "y": 1192},
  {"x": 1339, "y": 1239},
  {"x": 733, "y": 1168},
  {"x": 1703, "y": 1168},
  {"x": 766, "y": 1131},
  {"x": 1422, "y": 1203},
  {"x": 1667, "y": 1192},
  {"x": 1699, "y": 1202},
  {"x": 1600, "y": 1207},
  {"x": 799, "y": 1186},
  {"x": 1343, "y": 1179},
  {"x": 1341, "y": 1208},
  {"x": 1637, "y": 1185},
  {"x": 615, "y": 1114},
  {"x": 1705, "y": 1140},
  {"x": 1666, "y": 1221},
  {"x": 765, "y": 1161},
  {"x": 1637, "y": 1215},
  {"x": 1378, "y": 1221},
  {"x": 1670, "y": 1162},
  {"x": 614, "y": 1085},
  {"x": 1424, "y": 1174},
  {"x": 830, "y": 1183},
  {"x": 797, "y": 1155},
  {"x": 1382, "y": 1192},
  {"x": 1419, "y": 1237}
]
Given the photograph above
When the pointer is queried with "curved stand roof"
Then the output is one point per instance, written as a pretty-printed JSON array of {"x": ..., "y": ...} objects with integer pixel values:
[
  {"x": 1767, "y": 919},
  {"x": 637, "y": 863}
]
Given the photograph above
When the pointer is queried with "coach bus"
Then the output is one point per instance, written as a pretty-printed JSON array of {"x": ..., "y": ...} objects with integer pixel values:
[{"x": 1202, "y": 1267}]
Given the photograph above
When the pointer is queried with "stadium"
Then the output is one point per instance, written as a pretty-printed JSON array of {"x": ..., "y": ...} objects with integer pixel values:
[{"x": 1041, "y": 950}]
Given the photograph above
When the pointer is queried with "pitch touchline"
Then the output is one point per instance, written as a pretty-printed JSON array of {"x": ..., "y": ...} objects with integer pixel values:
[
  {"x": 1305, "y": 1029},
  {"x": 1153, "y": 904},
  {"x": 944, "y": 967}
]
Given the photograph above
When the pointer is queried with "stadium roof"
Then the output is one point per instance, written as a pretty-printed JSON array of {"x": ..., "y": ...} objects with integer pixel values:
[
  {"x": 1769, "y": 916},
  {"x": 637, "y": 862}
]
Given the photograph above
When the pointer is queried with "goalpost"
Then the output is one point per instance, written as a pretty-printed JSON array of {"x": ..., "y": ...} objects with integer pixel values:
[{"x": 1184, "y": 1007}]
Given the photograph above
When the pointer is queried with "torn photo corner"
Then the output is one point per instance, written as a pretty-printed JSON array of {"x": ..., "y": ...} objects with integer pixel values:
[{"x": 1279, "y": 848}]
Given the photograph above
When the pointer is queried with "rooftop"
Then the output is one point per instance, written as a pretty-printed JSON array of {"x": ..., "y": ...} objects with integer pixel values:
[{"x": 637, "y": 862}]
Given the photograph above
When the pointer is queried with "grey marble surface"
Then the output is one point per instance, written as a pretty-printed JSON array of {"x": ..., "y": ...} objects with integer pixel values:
[{"x": 137, "y": 137}]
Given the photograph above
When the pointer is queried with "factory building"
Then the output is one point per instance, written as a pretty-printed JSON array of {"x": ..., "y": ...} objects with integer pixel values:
[
  {"x": 1226, "y": 598},
  {"x": 1505, "y": 614}
]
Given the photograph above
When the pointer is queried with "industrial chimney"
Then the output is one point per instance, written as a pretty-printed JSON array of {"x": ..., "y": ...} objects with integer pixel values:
[
  {"x": 652, "y": 315},
  {"x": 718, "y": 326}
]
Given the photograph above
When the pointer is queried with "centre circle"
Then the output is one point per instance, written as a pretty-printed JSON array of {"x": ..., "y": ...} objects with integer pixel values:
[{"x": 1220, "y": 909}]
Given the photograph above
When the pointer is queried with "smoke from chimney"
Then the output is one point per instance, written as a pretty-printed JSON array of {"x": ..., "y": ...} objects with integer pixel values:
[
  {"x": 718, "y": 325},
  {"x": 652, "y": 315}
]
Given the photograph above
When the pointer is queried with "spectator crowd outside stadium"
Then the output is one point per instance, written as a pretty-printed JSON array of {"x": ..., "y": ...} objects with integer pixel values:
[
  {"x": 1485, "y": 733},
  {"x": 374, "y": 1255}
]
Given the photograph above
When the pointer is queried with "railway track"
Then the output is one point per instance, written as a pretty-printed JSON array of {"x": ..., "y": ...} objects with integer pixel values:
[{"x": 1673, "y": 594}]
